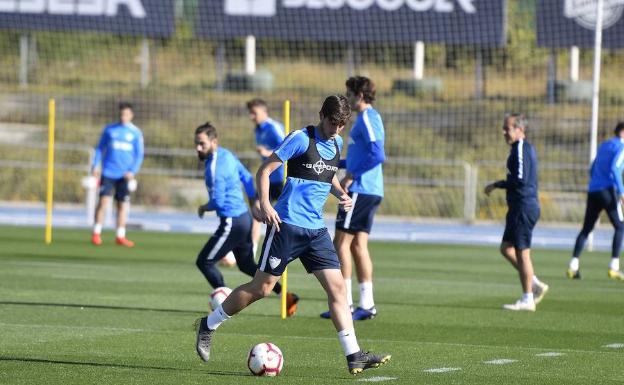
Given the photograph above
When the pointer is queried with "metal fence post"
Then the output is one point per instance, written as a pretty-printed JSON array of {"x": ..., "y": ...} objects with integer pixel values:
[{"x": 470, "y": 191}]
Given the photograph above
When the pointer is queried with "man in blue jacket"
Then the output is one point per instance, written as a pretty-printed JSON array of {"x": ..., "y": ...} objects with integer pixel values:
[
  {"x": 605, "y": 192},
  {"x": 224, "y": 174},
  {"x": 523, "y": 211},
  {"x": 364, "y": 183},
  {"x": 120, "y": 152}
]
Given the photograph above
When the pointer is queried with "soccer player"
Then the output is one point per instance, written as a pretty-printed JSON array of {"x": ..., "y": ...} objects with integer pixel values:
[
  {"x": 605, "y": 192},
  {"x": 269, "y": 134},
  {"x": 523, "y": 212},
  {"x": 364, "y": 183},
  {"x": 120, "y": 151},
  {"x": 224, "y": 174},
  {"x": 296, "y": 230}
]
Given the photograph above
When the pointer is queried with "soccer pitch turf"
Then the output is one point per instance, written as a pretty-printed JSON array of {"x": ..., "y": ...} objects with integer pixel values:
[{"x": 71, "y": 313}]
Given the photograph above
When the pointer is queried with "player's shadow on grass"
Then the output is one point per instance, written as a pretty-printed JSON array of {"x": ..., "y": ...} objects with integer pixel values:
[{"x": 123, "y": 366}]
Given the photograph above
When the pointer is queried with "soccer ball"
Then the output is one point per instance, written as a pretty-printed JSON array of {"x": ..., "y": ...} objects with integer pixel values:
[
  {"x": 265, "y": 359},
  {"x": 219, "y": 295},
  {"x": 228, "y": 261}
]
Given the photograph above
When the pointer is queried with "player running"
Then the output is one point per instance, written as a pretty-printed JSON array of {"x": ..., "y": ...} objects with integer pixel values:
[
  {"x": 523, "y": 211},
  {"x": 364, "y": 183},
  {"x": 296, "y": 230},
  {"x": 120, "y": 152},
  {"x": 605, "y": 192},
  {"x": 224, "y": 175}
]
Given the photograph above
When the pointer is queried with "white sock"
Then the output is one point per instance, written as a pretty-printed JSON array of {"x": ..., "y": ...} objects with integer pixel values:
[
  {"x": 614, "y": 264},
  {"x": 349, "y": 292},
  {"x": 366, "y": 295},
  {"x": 574, "y": 264},
  {"x": 536, "y": 281},
  {"x": 216, "y": 318},
  {"x": 97, "y": 228},
  {"x": 255, "y": 249},
  {"x": 527, "y": 297},
  {"x": 121, "y": 232},
  {"x": 348, "y": 341}
]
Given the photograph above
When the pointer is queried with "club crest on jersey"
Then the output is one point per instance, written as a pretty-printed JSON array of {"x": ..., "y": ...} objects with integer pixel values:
[
  {"x": 274, "y": 262},
  {"x": 319, "y": 167}
]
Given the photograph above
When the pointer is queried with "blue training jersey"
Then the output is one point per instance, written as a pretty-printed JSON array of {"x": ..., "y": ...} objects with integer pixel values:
[
  {"x": 224, "y": 174},
  {"x": 521, "y": 183},
  {"x": 301, "y": 203},
  {"x": 606, "y": 170},
  {"x": 120, "y": 150},
  {"x": 365, "y": 154},
  {"x": 270, "y": 134}
]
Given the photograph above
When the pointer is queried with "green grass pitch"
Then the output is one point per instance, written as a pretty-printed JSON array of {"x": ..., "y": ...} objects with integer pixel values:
[{"x": 71, "y": 313}]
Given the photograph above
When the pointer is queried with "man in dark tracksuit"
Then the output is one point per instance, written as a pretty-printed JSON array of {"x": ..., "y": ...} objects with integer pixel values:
[
  {"x": 605, "y": 192},
  {"x": 523, "y": 211}
]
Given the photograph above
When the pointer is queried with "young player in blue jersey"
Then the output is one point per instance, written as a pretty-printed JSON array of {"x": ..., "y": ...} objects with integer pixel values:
[
  {"x": 223, "y": 175},
  {"x": 364, "y": 183},
  {"x": 524, "y": 211},
  {"x": 296, "y": 230},
  {"x": 120, "y": 153},
  {"x": 268, "y": 135},
  {"x": 605, "y": 192}
]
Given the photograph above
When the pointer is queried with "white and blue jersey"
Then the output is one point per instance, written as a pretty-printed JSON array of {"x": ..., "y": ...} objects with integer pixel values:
[
  {"x": 224, "y": 175},
  {"x": 607, "y": 168},
  {"x": 365, "y": 153},
  {"x": 301, "y": 203},
  {"x": 270, "y": 134},
  {"x": 120, "y": 150}
]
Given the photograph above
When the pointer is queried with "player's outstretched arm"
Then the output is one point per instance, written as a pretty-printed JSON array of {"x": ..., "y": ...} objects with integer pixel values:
[{"x": 264, "y": 212}]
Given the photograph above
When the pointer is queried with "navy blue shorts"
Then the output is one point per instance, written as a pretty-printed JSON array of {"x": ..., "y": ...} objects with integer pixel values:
[
  {"x": 233, "y": 234},
  {"x": 122, "y": 194},
  {"x": 313, "y": 247},
  {"x": 360, "y": 218},
  {"x": 519, "y": 225}
]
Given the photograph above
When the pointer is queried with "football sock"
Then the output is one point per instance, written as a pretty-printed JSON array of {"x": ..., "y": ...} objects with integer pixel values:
[
  {"x": 527, "y": 297},
  {"x": 536, "y": 281},
  {"x": 574, "y": 264},
  {"x": 121, "y": 232},
  {"x": 97, "y": 228},
  {"x": 348, "y": 341},
  {"x": 216, "y": 318},
  {"x": 615, "y": 263},
  {"x": 366, "y": 295},
  {"x": 349, "y": 293}
]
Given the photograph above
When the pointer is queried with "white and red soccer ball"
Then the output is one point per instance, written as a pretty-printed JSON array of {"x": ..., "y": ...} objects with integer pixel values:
[
  {"x": 265, "y": 359},
  {"x": 219, "y": 295}
]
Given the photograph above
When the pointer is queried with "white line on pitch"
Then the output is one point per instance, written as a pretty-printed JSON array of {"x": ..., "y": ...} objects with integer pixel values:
[
  {"x": 441, "y": 370},
  {"x": 500, "y": 361},
  {"x": 549, "y": 354},
  {"x": 377, "y": 379},
  {"x": 616, "y": 345}
]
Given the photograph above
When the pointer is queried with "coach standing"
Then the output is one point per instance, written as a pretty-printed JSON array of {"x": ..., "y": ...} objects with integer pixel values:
[
  {"x": 523, "y": 211},
  {"x": 120, "y": 152}
]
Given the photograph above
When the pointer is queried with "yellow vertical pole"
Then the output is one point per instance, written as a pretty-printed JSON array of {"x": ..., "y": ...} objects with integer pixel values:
[
  {"x": 50, "y": 184},
  {"x": 285, "y": 275}
]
